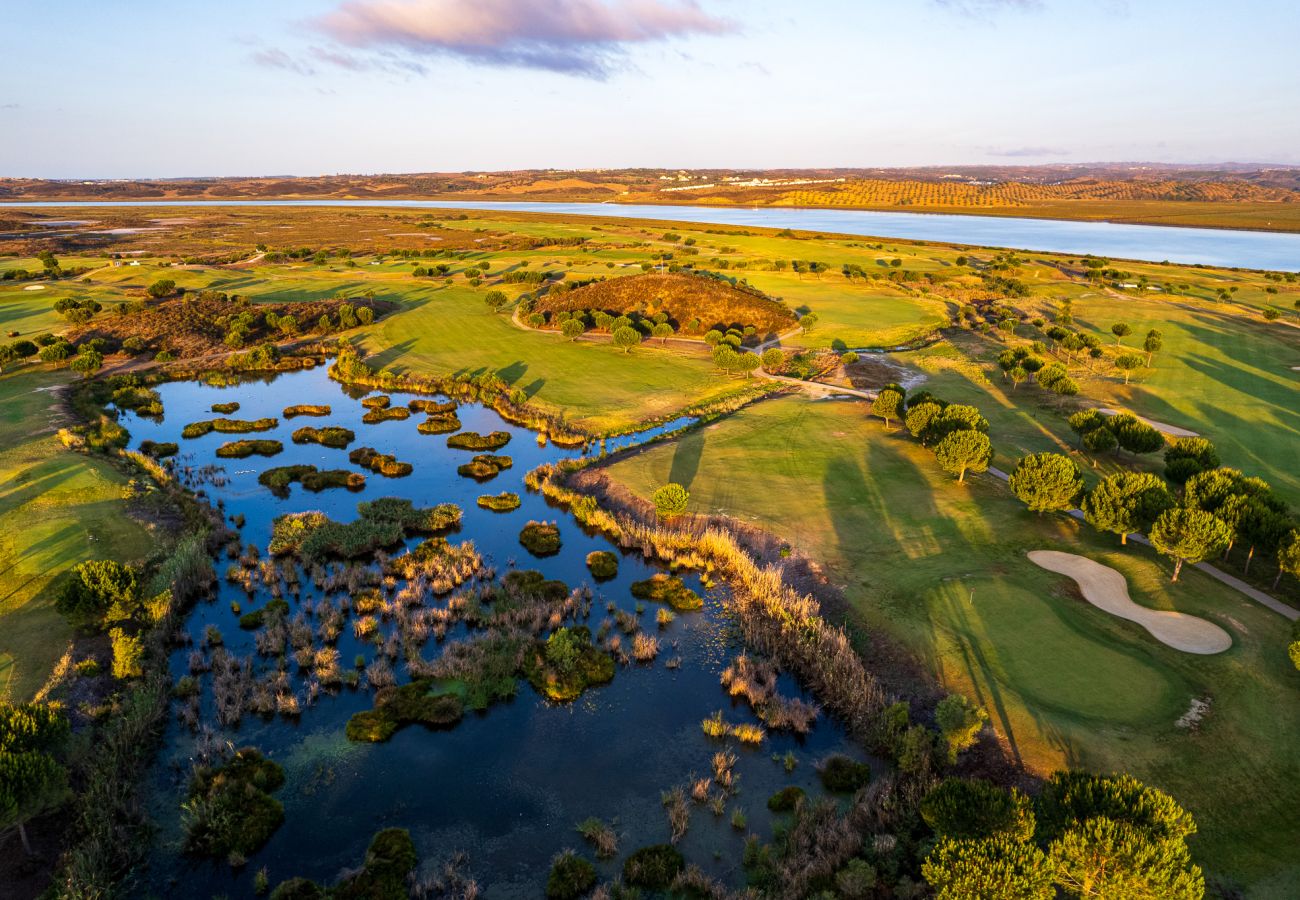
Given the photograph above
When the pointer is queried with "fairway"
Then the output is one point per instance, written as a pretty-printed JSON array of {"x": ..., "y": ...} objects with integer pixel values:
[
  {"x": 941, "y": 569},
  {"x": 598, "y": 386},
  {"x": 57, "y": 508}
]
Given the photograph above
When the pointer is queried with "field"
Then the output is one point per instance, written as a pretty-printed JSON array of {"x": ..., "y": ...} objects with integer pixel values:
[
  {"x": 57, "y": 508},
  {"x": 941, "y": 569},
  {"x": 935, "y": 570},
  {"x": 1246, "y": 198}
]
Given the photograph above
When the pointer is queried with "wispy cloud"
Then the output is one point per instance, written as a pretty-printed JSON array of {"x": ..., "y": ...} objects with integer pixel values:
[
  {"x": 588, "y": 38},
  {"x": 273, "y": 58},
  {"x": 1028, "y": 151},
  {"x": 982, "y": 9}
]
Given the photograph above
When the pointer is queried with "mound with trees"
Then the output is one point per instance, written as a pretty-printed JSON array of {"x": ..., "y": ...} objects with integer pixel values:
[
  {"x": 691, "y": 304},
  {"x": 211, "y": 322}
]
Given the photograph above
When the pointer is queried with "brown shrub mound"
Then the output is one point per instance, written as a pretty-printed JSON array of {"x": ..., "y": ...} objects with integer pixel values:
[
  {"x": 684, "y": 297},
  {"x": 195, "y": 325}
]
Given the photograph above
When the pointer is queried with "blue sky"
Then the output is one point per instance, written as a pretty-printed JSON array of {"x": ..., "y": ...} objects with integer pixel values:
[{"x": 110, "y": 88}]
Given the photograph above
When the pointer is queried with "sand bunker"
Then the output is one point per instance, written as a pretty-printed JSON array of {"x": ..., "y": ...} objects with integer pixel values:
[
  {"x": 1171, "y": 430},
  {"x": 1107, "y": 590}
]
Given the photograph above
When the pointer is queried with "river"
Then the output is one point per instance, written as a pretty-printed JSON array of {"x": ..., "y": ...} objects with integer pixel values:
[{"x": 1269, "y": 250}]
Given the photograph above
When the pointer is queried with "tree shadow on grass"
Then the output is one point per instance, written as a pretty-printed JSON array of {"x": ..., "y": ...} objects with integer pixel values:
[
  {"x": 390, "y": 354},
  {"x": 686, "y": 458}
]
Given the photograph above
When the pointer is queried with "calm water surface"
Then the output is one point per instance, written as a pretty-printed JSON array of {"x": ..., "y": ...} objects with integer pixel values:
[
  {"x": 1275, "y": 251},
  {"x": 508, "y": 785}
]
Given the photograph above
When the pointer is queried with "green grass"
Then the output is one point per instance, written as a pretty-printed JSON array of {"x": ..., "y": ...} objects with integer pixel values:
[
  {"x": 57, "y": 508},
  {"x": 853, "y": 315},
  {"x": 448, "y": 330},
  {"x": 941, "y": 569}
]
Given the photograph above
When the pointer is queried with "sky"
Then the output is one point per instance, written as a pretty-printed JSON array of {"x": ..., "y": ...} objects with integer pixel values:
[{"x": 173, "y": 88}]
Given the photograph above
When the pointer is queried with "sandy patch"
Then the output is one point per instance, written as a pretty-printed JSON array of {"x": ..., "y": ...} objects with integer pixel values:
[
  {"x": 1192, "y": 718},
  {"x": 1171, "y": 430},
  {"x": 34, "y": 287},
  {"x": 1107, "y": 590}
]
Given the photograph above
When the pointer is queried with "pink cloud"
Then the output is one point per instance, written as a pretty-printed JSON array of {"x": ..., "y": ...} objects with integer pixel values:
[{"x": 582, "y": 37}]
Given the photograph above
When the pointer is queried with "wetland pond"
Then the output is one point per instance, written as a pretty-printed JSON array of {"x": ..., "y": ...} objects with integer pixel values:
[{"x": 508, "y": 784}]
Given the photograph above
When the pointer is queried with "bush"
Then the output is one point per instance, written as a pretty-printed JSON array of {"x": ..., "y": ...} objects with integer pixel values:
[
  {"x": 967, "y": 809},
  {"x": 128, "y": 654},
  {"x": 571, "y": 877},
  {"x": 95, "y": 587},
  {"x": 602, "y": 563},
  {"x": 541, "y": 538},
  {"x": 670, "y": 500},
  {"x": 653, "y": 867},
  {"x": 670, "y": 589},
  {"x": 230, "y": 808},
  {"x": 786, "y": 799},
  {"x": 842, "y": 775},
  {"x": 959, "y": 721}
]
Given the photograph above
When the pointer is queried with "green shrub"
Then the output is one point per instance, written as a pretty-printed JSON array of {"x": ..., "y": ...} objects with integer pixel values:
[
  {"x": 602, "y": 563},
  {"x": 842, "y": 775},
  {"x": 422, "y": 701},
  {"x": 567, "y": 663},
  {"x": 667, "y": 589},
  {"x": 128, "y": 654},
  {"x": 786, "y": 799},
  {"x": 230, "y": 809},
  {"x": 541, "y": 538},
  {"x": 969, "y": 809},
  {"x": 653, "y": 867},
  {"x": 571, "y": 877},
  {"x": 95, "y": 586},
  {"x": 158, "y": 450}
]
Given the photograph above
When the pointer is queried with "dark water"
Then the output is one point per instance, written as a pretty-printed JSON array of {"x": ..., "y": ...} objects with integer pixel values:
[
  {"x": 508, "y": 785},
  {"x": 1276, "y": 251}
]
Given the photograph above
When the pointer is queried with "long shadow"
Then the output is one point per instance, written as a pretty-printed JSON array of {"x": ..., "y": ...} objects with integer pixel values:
[
  {"x": 512, "y": 373},
  {"x": 391, "y": 354},
  {"x": 686, "y": 458}
]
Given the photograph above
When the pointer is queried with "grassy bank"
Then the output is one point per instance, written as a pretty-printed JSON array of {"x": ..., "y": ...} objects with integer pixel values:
[
  {"x": 57, "y": 508},
  {"x": 941, "y": 568}
]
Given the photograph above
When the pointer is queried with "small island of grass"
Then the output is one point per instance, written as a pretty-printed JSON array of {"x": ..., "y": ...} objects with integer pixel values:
[
  {"x": 424, "y": 701},
  {"x": 668, "y": 589},
  {"x": 306, "y": 409},
  {"x": 231, "y": 812},
  {"x": 568, "y": 663},
  {"x": 541, "y": 538},
  {"x": 329, "y": 436},
  {"x": 440, "y": 423},
  {"x": 472, "y": 440},
  {"x": 380, "y": 463},
  {"x": 602, "y": 563},
  {"x": 245, "y": 449},
  {"x": 503, "y": 502},
  {"x": 227, "y": 426}
]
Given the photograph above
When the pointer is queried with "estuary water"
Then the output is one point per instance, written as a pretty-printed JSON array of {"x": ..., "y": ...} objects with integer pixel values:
[
  {"x": 507, "y": 785},
  {"x": 1275, "y": 251}
]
